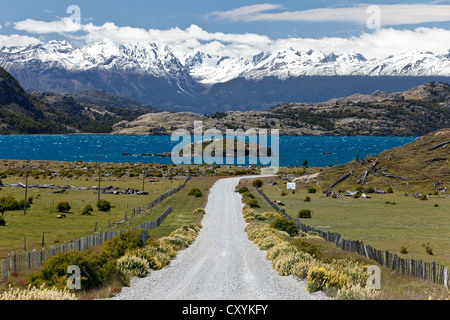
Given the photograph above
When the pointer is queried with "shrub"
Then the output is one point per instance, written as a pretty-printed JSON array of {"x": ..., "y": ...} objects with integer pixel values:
[
  {"x": 312, "y": 190},
  {"x": 369, "y": 190},
  {"x": 322, "y": 278},
  {"x": 33, "y": 293},
  {"x": 356, "y": 292},
  {"x": 9, "y": 203},
  {"x": 390, "y": 190},
  {"x": 253, "y": 203},
  {"x": 2, "y": 222},
  {"x": 95, "y": 270},
  {"x": 242, "y": 189},
  {"x": 133, "y": 265},
  {"x": 308, "y": 247},
  {"x": 248, "y": 194},
  {"x": 305, "y": 214},
  {"x": 146, "y": 254},
  {"x": 199, "y": 210},
  {"x": 30, "y": 200},
  {"x": 87, "y": 211},
  {"x": 428, "y": 248},
  {"x": 22, "y": 204},
  {"x": 63, "y": 206},
  {"x": 195, "y": 192},
  {"x": 283, "y": 193},
  {"x": 423, "y": 197},
  {"x": 257, "y": 183},
  {"x": 307, "y": 199},
  {"x": 403, "y": 250},
  {"x": 103, "y": 205},
  {"x": 285, "y": 225},
  {"x": 118, "y": 246}
]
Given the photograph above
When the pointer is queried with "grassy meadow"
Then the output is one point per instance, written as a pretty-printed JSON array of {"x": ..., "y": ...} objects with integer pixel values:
[
  {"x": 24, "y": 232},
  {"x": 384, "y": 221}
]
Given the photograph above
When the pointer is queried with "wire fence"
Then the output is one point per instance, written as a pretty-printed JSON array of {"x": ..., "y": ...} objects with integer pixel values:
[
  {"x": 20, "y": 262},
  {"x": 430, "y": 271}
]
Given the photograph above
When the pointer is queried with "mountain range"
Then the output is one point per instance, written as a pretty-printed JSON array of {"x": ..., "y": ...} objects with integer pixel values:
[
  {"x": 413, "y": 112},
  {"x": 168, "y": 79}
]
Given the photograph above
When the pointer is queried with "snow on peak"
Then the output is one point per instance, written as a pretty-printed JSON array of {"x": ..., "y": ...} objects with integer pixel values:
[{"x": 160, "y": 60}]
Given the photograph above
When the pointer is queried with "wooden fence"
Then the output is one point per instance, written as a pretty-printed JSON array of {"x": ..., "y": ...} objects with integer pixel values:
[
  {"x": 20, "y": 262},
  {"x": 430, "y": 271}
]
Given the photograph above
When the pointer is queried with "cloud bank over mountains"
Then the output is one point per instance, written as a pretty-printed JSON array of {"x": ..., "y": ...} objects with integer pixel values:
[{"x": 378, "y": 43}]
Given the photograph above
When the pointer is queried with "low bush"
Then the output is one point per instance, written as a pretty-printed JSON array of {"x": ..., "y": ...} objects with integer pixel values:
[
  {"x": 199, "y": 210},
  {"x": 33, "y": 293},
  {"x": 323, "y": 278},
  {"x": 118, "y": 246},
  {"x": 133, "y": 266},
  {"x": 63, "y": 206},
  {"x": 257, "y": 183},
  {"x": 253, "y": 203},
  {"x": 304, "y": 246},
  {"x": 356, "y": 292},
  {"x": 195, "y": 192},
  {"x": 312, "y": 190},
  {"x": 285, "y": 225},
  {"x": 428, "y": 248},
  {"x": 103, "y": 205},
  {"x": 147, "y": 255},
  {"x": 242, "y": 189},
  {"x": 95, "y": 270},
  {"x": 9, "y": 203},
  {"x": 87, "y": 211},
  {"x": 305, "y": 214},
  {"x": 2, "y": 222}
]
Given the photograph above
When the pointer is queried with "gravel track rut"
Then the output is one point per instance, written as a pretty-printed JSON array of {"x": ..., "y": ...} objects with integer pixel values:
[{"x": 222, "y": 264}]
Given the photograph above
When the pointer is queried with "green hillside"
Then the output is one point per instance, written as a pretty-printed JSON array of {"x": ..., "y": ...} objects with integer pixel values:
[{"x": 421, "y": 166}]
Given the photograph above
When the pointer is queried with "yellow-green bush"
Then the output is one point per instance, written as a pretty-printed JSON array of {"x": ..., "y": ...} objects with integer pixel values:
[
  {"x": 355, "y": 270},
  {"x": 33, "y": 293},
  {"x": 356, "y": 292},
  {"x": 133, "y": 265},
  {"x": 280, "y": 248},
  {"x": 145, "y": 254},
  {"x": 268, "y": 242},
  {"x": 301, "y": 268},
  {"x": 325, "y": 278}
]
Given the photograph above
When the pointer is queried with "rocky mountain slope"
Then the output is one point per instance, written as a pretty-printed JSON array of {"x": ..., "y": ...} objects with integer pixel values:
[
  {"x": 197, "y": 82},
  {"x": 37, "y": 112},
  {"x": 413, "y": 112}
]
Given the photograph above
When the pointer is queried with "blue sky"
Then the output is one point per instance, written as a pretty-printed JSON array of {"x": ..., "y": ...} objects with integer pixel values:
[{"x": 237, "y": 25}]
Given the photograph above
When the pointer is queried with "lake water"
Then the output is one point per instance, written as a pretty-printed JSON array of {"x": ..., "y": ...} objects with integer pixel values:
[{"x": 318, "y": 151}]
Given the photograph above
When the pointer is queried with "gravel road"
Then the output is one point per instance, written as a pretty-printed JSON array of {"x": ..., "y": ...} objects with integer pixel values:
[{"x": 222, "y": 264}]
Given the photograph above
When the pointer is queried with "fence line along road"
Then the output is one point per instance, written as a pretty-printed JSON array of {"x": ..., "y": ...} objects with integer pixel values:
[
  {"x": 20, "y": 262},
  {"x": 431, "y": 271}
]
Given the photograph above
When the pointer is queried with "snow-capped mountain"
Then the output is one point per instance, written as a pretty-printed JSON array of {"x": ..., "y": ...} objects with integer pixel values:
[
  {"x": 169, "y": 79},
  {"x": 138, "y": 59},
  {"x": 291, "y": 64}
]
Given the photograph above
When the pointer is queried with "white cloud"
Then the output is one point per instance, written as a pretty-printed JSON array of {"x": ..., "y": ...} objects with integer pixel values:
[
  {"x": 374, "y": 44},
  {"x": 16, "y": 40},
  {"x": 391, "y": 15},
  {"x": 61, "y": 26}
]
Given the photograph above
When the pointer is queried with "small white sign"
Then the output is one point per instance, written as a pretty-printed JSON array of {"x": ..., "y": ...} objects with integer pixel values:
[{"x": 291, "y": 186}]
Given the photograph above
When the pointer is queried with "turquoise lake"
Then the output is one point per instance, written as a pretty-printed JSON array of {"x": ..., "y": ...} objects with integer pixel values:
[{"x": 318, "y": 151}]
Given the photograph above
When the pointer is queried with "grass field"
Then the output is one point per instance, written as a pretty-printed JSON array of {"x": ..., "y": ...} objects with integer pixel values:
[
  {"x": 385, "y": 221},
  {"x": 42, "y": 216}
]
